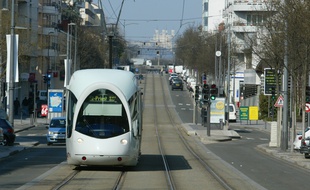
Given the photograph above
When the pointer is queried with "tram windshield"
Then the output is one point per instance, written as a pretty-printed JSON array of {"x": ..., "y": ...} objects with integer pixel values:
[{"x": 102, "y": 115}]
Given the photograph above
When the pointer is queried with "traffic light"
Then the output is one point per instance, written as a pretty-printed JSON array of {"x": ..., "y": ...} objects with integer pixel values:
[
  {"x": 157, "y": 52},
  {"x": 205, "y": 92},
  {"x": 307, "y": 93},
  {"x": 49, "y": 75},
  {"x": 45, "y": 79},
  {"x": 196, "y": 92},
  {"x": 273, "y": 94},
  {"x": 213, "y": 92}
]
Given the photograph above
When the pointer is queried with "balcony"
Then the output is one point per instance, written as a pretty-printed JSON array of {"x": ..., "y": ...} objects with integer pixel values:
[
  {"x": 249, "y": 5},
  {"x": 51, "y": 8}
]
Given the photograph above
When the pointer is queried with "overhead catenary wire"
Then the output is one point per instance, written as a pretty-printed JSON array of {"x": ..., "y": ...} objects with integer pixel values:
[{"x": 113, "y": 7}]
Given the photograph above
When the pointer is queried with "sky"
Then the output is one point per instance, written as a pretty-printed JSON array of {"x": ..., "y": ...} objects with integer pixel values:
[{"x": 140, "y": 18}]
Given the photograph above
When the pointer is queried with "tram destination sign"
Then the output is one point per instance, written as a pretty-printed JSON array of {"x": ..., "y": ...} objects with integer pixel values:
[{"x": 270, "y": 80}]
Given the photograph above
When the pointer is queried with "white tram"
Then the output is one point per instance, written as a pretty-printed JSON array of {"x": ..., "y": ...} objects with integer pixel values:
[{"x": 104, "y": 118}]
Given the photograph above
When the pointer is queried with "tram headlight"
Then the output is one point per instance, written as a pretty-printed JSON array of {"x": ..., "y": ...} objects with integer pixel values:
[
  {"x": 124, "y": 141},
  {"x": 79, "y": 140}
]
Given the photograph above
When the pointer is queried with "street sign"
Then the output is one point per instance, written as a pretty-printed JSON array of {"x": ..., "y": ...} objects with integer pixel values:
[
  {"x": 279, "y": 102},
  {"x": 307, "y": 107},
  {"x": 244, "y": 113},
  {"x": 270, "y": 80}
]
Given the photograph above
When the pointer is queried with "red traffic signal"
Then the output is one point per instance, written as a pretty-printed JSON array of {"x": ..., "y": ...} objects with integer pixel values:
[{"x": 214, "y": 90}]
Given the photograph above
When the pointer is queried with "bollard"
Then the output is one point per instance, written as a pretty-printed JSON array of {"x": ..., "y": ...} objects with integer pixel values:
[
  {"x": 221, "y": 124},
  {"x": 31, "y": 119}
]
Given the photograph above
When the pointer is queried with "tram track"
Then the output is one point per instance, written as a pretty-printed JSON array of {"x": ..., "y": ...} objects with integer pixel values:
[
  {"x": 198, "y": 157},
  {"x": 99, "y": 177},
  {"x": 160, "y": 147},
  {"x": 171, "y": 178}
]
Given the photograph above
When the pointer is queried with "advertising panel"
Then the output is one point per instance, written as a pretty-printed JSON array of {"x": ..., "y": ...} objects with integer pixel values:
[
  {"x": 55, "y": 101},
  {"x": 217, "y": 110}
]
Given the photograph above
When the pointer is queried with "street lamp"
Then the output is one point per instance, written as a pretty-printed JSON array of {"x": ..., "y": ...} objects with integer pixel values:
[{"x": 68, "y": 59}]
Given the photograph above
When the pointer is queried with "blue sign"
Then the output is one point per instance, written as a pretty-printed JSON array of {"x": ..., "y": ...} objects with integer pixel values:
[{"x": 55, "y": 101}]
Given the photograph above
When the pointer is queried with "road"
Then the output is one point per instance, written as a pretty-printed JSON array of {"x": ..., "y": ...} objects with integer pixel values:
[
  {"x": 242, "y": 154},
  {"x": 27, "y": 165},
  {"x": 263, "y": 169}
]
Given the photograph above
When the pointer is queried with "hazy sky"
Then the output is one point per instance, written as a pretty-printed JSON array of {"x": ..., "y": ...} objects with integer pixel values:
[{"x": 142, "y": 17}]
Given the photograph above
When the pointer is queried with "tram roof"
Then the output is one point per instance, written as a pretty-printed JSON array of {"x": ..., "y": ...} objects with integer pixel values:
[{"x": 124, "y": 80}]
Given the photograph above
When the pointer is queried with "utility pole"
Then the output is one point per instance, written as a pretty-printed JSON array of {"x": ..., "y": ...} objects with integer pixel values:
[
  {"x": 228, "y": 74},
  {"x": 10, "y": 97},
  {"x": 284, "y": 134}
]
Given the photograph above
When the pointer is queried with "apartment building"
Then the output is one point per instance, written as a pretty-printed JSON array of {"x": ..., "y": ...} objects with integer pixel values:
[
  {"x": 243, "y": 19},
  {"x": 212, "y": 14},
  {"x": 42, "y": 40}
]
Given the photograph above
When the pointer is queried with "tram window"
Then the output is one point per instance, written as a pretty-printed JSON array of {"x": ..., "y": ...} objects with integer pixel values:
[
  {"x": 102, "y": 115},
  {"x": 133, "y": 103},
  {"x": 72, "y": 100}
]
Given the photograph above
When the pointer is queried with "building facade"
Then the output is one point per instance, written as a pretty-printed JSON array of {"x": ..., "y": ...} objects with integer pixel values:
[
  {"x": 212, "y": 14},
  {"x": 42, "y": 41},
  {"x": 243, "y": 19}
]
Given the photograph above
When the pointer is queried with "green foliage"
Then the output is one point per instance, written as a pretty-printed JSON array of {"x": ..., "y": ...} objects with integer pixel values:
[{"x": 263, "y": 107}]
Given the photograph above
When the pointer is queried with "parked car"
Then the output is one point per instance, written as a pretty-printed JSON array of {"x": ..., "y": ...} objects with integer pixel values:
[
  {"x": 3, "y": 114},
  {"x": 305, "y": 147},
  {"x": 1, "y": 135},
  {"x": 56, "y": 131},
  {"x": 8, "y": 133},
  {"x": 298, "y": 138},
  {"x": 173, "y": 75},
  {"x": 191, "y": 83},
  {"x": 177, "y": 83}
]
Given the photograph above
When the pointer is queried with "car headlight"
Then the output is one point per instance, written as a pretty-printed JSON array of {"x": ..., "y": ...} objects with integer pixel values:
[{"x": 50, "y": 133}]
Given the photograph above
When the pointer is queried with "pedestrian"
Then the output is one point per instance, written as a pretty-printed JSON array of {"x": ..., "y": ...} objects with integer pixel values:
[
  {"x": 16, "y": 106},
  {"x": 25, "y": 106}
]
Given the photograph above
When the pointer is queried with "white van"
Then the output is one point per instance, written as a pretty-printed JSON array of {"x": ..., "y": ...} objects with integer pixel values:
[
  {"x": 232, "y": 113},
  {"x": 42, "y": 94}
]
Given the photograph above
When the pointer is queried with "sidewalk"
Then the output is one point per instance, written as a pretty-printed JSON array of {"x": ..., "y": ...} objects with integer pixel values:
[
  {"x": 21, "y": 143},
  {"x": 226, "y": 135}
]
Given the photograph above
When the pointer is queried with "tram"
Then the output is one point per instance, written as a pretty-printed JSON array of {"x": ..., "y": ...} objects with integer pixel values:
[{"x": 104, "y": 118}]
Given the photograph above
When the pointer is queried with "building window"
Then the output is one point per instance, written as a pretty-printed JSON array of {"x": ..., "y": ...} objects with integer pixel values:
[
  {"x": 255, "y": 19},
  {"x": 205, "y": 7},
  {"x": 205, "y": 21}
]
